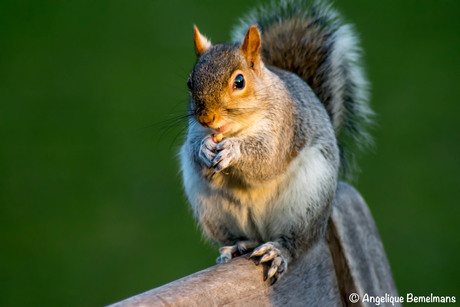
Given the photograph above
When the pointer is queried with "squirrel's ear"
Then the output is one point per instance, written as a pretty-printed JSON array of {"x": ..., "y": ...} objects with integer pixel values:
[
  {"x": 201, "y": 42},
  {"x": 251, "y": 46}
]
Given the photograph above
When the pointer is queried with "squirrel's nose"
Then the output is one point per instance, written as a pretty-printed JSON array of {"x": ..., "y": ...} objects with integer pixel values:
[{"x": 207, "y": 119}]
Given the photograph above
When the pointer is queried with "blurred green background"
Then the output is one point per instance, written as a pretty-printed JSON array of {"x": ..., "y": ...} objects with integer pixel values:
[{"x": 91, "y": 204}]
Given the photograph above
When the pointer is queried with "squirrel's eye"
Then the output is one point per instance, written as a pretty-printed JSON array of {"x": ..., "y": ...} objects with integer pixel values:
[
  {"x": 189, "y": 83},
  {"x": 239, "y": 82}
]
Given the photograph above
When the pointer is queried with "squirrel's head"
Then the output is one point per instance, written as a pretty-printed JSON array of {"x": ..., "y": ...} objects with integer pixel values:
[{"x": 225, "y": 81}]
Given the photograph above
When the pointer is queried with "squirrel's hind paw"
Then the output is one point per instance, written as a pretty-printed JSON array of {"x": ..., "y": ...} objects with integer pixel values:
[
  {"x": 232, "y": 251},
  {"x": 267, "y": 253}
]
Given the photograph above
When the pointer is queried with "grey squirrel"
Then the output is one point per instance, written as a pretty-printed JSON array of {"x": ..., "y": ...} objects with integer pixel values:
[{"x": 274, "y": 118}]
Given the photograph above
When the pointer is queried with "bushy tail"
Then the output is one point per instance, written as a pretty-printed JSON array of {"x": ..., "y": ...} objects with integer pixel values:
[{"x": 311, "y": 41}]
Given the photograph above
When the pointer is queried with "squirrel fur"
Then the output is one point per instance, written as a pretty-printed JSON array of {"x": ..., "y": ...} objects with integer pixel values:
[{"x": 290, "y": 98}]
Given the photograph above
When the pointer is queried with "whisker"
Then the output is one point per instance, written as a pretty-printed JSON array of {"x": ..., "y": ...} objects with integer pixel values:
[{"x": 179, "y": 133}]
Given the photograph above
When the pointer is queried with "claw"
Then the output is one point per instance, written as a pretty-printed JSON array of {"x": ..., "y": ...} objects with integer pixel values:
[
  {"x": 260, "y": 250},
  {"x": 275, "y": 267},
  {"x": 268, "y": 256},
  {"x": 271, "y": 272},
  {"x": 220, "y": 158}
]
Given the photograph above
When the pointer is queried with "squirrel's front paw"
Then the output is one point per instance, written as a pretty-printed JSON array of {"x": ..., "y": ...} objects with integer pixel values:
[
  {"x": 208, "y": 150},
  {"x": 269, "y": 252},
  {"x": 228, "y": 151}
]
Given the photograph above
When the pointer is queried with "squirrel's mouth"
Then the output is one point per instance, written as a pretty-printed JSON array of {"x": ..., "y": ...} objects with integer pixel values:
[{"x": 222, "y": 128}]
